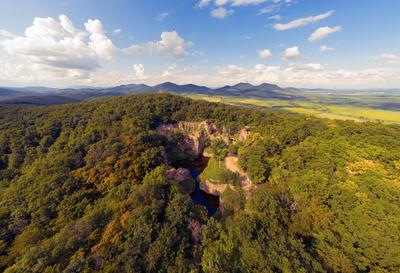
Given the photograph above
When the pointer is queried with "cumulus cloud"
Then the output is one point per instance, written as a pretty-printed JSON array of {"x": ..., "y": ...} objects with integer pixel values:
[
  {"x": 204, "y": 3},
  {"x": 9, "y": 70},
  {"x": 323, "y": 32},
  {"x": 387, "y": 58},
  {"x": 264, "y": 53},
  {"x": 291, "y": 53},
  {"x": 59, "y": 46},
  {"x": 325, "y": 48},
  {"x": 139, "y": 71},
  {"x": 221, "y": 12},
  {"x": 307, "y": 75},
  {"x": 6, "y": 35},
  {"x": 18, "y": 73},
  {"x": 99, "y": 42},
  {"x": 303, "y": 21},
  {"x": 171, "y": 44}
]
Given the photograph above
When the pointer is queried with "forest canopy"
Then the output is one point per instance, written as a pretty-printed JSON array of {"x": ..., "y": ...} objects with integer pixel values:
[{"x": 83, "y": 189}]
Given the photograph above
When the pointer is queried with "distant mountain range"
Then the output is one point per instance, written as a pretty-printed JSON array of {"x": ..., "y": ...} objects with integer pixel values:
[{"x": 47, "y": 96}]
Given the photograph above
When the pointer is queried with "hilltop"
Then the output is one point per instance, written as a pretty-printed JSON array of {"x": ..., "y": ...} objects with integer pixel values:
[
  {"x": 109, "y": 185},
  {"x": 43, "y": 96}
]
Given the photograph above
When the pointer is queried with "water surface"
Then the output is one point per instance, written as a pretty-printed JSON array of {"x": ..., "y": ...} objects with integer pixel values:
[{"x": 199, "y": 197}]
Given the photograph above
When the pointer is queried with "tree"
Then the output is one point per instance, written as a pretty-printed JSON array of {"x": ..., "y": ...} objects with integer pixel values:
[{"x": 219, "y": 150}]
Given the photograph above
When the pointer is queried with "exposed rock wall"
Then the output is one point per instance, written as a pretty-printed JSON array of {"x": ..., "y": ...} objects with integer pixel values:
[
  {"x": 197, "y": 135},
  {"x": 214, "y": 188}
]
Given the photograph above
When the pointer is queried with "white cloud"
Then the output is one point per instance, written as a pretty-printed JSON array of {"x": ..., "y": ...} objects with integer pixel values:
[
  {"x": 291, "y": 53},
  {"x": 303, "y": 21},
  {"x": 171, "y": 69},
  {"x": 232, "y": 71},
  {"x": 139, "y": 71},
  {"x": 6, "y": 35},
  {"x": 117, "y": 31},
  {"x": 204, "y": 3},
  {"x": 294, "y": 74},
  {"x": 325, "y": 48},
  {"x": 221, "y": 12},
  {"x": 171, "y": 44},
  {"x": 162, "y": 16},
  {"x": 307, "y": 75},
  {"x": 99, "y": 42},
  {"x": 29, "y": 73},
  {"x": 275, "y": 17},
  {"x": 260, "y": 73},
  {"x": 323, "y": 32},
  {"x": 236, "y": 3},
  {"x": 264, "y": 53},
  {"x": 59, "y": 46},
  {"x": 296, "y": 67},
  {"x": 266, "y": 10},
  {"x": 263, "y": 73},
  {"x": 387, "y": 58}
]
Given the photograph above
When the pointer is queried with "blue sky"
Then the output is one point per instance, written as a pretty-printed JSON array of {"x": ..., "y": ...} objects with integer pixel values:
[{"x": 303, "y": 43}]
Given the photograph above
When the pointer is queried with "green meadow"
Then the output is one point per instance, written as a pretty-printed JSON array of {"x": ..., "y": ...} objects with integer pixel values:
[{"x": 313, "y": 108}]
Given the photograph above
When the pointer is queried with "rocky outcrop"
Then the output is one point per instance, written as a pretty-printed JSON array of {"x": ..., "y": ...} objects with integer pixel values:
[
  {"x": 243, "y": 134},
  {"x": 181, "y": 175},
  {"x": 198, "y": 135},
  {"x": 195, "y": 134},
  {"x": 214, "y": 188},
  {"x": 231, "y": 163},
  {"x": 178, "y": 175}
]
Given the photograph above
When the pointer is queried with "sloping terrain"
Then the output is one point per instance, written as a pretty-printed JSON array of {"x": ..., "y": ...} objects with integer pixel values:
[
  {"x": 84, "y": 188},
  {"x": 239, "y": 90}
]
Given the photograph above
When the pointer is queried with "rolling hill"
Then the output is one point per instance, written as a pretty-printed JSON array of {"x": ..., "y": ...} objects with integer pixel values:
[
  {"x": 43, "y": 96},
  {"x": 127, "y": 185}
]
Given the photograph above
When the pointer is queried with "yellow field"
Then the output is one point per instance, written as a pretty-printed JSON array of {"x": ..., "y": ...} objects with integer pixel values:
[{"x": 338, "y": 112}]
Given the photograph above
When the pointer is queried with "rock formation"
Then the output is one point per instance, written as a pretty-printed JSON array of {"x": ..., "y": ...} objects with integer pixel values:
[{"x": 181, "y": 175}]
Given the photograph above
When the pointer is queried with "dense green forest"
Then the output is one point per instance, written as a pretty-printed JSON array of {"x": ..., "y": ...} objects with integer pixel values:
[{"x": 83, "y": 189}]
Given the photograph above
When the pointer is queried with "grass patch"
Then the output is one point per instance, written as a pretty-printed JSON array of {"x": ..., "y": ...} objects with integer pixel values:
[{"x": 217, "y": 173}]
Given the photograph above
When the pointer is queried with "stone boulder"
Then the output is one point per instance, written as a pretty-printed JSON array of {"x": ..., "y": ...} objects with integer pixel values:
[{"x": 183, "y": 177}]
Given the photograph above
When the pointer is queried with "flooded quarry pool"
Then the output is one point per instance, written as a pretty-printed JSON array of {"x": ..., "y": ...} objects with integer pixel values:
[{"x": 199, "y": 197}]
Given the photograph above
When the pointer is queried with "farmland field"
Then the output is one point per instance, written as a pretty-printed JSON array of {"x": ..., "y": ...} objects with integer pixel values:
[{"x": 313, "y": 108}]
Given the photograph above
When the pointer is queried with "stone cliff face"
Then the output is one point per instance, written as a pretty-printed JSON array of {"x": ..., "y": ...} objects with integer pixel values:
[
  {"x": 214, "y": 188},
  {"x": 197, "y": 135}
]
